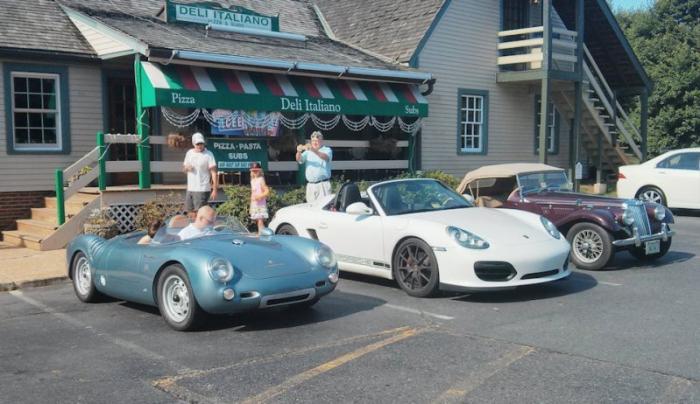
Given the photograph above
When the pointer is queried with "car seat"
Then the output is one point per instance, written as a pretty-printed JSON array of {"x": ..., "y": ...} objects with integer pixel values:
[{"x": 349, "y": 195}]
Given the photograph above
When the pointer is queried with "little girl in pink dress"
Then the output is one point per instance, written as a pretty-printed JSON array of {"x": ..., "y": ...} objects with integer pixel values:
[{"x": 258, "y": 196}]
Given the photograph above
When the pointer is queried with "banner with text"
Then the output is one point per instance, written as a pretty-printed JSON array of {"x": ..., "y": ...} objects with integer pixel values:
[{"x": 238, "y": 154}]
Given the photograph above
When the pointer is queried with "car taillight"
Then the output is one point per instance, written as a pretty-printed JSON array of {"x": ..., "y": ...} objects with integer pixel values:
[{"x": 621, "y": 176}]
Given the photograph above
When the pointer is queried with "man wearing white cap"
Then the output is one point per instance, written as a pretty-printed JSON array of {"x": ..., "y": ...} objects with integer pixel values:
[
  {"x": 318, "y": 167},
  {"x": 200, "y": 167}
]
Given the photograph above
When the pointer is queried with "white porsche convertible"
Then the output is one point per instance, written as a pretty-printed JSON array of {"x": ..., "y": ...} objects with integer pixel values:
[{"x": 428, "y": 237}]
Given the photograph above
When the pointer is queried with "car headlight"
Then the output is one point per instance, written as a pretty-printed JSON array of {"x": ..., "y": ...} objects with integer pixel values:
[
  {"x": 550, "y": 227},
  {"x": 467, "y": 239},
  {"x": 659, "y": 212},
  {"x": 627, "y": 217},
  {"x": 220, "y": 269},
  {"x": 325, "y": 257}
]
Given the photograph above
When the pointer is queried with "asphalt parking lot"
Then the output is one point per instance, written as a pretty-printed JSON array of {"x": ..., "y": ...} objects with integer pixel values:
[{"x": 627, "y": 334}]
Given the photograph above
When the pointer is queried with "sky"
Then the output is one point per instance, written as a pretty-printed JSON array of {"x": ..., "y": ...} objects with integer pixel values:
[{"x": 629, "y": 5}]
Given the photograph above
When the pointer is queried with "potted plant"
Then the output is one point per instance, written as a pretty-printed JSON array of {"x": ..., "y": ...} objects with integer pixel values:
[{"x": 100, "y": 223}]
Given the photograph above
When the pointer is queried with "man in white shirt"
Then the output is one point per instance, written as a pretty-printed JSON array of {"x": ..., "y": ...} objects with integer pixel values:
[
  {"x": 318, "y": 167},
  {"x": 202, "y": 225},
  {"x": 200, "y": 167}
]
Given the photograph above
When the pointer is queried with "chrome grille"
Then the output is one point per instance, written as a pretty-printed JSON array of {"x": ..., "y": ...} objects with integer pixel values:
[{"x": 641, "y": 219}]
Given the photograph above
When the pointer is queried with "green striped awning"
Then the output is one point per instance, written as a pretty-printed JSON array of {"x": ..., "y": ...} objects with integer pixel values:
[{"x": 198, "y": 87}]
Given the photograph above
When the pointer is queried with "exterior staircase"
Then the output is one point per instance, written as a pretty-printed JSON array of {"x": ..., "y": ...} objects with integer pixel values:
[
  {"x": 34, "y": 233},
  {"x": 602, "y": 116}
]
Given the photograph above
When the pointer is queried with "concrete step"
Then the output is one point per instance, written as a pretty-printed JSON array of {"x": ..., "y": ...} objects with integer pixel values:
[
  {"x": 38, "y": 228},
  {"x": 20, "y": 239}
]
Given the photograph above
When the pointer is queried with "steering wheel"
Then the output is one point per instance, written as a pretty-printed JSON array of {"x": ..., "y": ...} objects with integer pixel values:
[{"x": 219, "y": 227}]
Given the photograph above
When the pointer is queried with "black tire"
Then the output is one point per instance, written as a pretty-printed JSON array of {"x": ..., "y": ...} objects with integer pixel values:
[
  {"x": 415, "y": 268},
  {"x": 287, "y": 230},
  {"x": 304, "y": 305},
  {"x": 652, "y": 194},
  {"x": 83, "y": 282},
  {"x": 591, "y": 246},
  {"x": 173, "y": 288},
  {"x": 638, "y": 252}
]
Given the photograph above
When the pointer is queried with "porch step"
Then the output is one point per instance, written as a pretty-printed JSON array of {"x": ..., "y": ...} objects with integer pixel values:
[
  {"x": 36, "y": 228},
  {"x": 47, "y": 215},
  {"x": 20, "y": 239},
  {"x": 72, "y": 206}
]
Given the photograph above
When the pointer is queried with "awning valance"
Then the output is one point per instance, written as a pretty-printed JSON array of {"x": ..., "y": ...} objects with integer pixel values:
[{"x": 198, "y": 87}]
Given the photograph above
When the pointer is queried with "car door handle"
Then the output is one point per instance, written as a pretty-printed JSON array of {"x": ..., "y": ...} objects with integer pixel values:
[{"x": 323, "y": 225}]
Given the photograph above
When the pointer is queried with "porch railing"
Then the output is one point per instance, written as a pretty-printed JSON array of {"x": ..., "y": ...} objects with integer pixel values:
[
  {"x": 521, "y": 49},
  {"x": 604, "y": 105}
]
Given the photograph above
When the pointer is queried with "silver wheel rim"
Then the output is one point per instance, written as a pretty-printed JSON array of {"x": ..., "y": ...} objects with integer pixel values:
[
  {"x": 587, "y": 246},
  {"x": 82, "y": 276},
  {"x": 651, "y": 196},
  {"x": 175, "y": 298}
]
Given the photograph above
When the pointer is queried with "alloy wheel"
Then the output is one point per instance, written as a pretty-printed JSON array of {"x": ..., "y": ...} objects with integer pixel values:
[
  {"x": 651, "y": 195},
  {"x": 415, "y": 267}
]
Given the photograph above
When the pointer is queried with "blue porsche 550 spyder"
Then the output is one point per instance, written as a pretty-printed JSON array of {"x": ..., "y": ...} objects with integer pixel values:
[{"x": 226, "y": 270}]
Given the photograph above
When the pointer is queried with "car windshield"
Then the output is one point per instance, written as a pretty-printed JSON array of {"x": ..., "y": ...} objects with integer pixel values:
[
  {"x": 531, "y": 183},
  {"x": 412, "y": 196},
  {"x": 222, "y": 225}
]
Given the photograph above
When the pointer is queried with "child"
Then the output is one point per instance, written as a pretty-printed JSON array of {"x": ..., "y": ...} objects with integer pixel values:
[
  {"x": 258, "y": 196},
  {"x": 151, "y": 232}
]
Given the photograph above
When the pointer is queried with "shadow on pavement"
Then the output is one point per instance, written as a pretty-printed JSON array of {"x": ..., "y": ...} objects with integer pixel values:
[
  {"x": 576, "y": 283},
  {"x": 624, "y": 260},
  {"x": 686, "y": 212},
  {"x": 335, "y": 305}
]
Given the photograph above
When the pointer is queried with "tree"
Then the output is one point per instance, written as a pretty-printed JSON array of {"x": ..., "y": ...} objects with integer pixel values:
[{"x": 666, "y": 38}]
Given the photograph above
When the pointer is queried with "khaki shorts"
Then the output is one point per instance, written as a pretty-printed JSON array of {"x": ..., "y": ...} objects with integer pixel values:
[{"x": 195, "y": 200}]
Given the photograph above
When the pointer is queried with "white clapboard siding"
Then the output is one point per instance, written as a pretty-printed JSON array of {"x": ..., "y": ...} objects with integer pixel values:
[
  {"x": 462, "y": 53},
  {"x": 35, "y": 172}
]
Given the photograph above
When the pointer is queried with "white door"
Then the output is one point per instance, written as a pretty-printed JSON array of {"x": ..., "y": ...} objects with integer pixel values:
[
  {"x": 356, "y": 239},
  {"x": 679, "y": 178}
]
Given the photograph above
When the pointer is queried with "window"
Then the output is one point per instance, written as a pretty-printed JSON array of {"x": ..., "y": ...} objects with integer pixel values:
[
  {"x": 36, "y": 109},
  {"x": 682, "y": 161},
  {"x": 472, "y": 122},
  {"x": 552, "y": 128}
]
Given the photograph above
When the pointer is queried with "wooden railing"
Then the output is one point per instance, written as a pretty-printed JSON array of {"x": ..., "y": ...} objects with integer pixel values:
[
  {"x": 523, "y": 46},
  {"x": 611, "y": 109}
]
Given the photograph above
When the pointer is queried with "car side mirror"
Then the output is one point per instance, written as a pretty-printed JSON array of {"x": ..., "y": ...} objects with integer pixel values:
[
  {"x": 358, "y": 208},
  {"x": 469, "y": 198},
  {"x": 266, "y": 231}
]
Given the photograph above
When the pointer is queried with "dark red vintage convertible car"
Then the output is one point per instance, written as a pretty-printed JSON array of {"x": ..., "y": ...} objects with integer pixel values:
[{"x": 596, "y": 226}]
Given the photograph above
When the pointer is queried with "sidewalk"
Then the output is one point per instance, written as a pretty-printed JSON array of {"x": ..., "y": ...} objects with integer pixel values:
[{"x": 21, "y": 267}]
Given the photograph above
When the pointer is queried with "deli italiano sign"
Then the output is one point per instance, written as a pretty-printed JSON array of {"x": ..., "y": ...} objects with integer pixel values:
[{"x": 217, "y": 15}]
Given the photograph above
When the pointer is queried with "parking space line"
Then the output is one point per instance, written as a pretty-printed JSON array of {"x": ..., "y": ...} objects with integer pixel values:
[
  {"x": 674, "y": 391},
  {"x": 330, "y": 365},
  {"x": 419, "y": 312},
  {"x": 114, "y": 340},
  {"x": 169, "y": 384},
  {"x": 459, "y": 391}
]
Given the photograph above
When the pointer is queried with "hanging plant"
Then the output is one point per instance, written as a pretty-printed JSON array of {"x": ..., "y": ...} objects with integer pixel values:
[
  {"x": 177, "y": 140},
  {"x": 384, "y": 145}
]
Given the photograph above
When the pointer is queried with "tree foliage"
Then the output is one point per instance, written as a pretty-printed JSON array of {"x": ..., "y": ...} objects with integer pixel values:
[{"x": 666, "y": 38}]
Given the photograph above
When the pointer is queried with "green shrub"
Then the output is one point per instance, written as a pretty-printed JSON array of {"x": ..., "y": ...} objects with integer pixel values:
[
  {"x": 238, "y": 202},
  {"x": 448, "y": 179},
  {"x": 159, "y": 208}
]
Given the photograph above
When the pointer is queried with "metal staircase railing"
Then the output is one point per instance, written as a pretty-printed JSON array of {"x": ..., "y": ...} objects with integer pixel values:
[{"x": 607, "y": 112}]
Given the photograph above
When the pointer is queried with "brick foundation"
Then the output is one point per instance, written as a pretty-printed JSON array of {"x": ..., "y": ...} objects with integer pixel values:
[{"x": 16, "y": 205}]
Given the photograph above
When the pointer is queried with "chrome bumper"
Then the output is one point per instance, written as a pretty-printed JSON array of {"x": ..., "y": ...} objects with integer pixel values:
[{"x": 637, "y": 240}]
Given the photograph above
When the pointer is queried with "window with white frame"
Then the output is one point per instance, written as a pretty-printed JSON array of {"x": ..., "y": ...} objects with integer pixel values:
[
  {"x": 552, "y": 127},
  {"x": 471, "y": 122},
  {"x": 36, "y": 111}
]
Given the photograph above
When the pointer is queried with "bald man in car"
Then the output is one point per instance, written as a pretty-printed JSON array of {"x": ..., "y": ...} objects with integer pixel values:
[{"x": 202, "y": 224}]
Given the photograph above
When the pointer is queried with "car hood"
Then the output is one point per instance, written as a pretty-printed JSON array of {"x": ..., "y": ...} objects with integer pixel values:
[
  {"x": 258, "y": 257},
  {"x": 503, "y": 226}
]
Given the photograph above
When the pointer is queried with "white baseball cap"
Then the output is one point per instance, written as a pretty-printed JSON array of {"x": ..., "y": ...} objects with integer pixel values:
[{"x": 197, "y": 138}]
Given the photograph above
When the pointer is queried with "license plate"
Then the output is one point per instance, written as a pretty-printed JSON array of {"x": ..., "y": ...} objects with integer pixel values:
[{"x": 652, "y": 247}]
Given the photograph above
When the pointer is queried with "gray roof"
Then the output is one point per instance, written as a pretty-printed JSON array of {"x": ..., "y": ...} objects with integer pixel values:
[
  {"x": 388, "y": 27},
  {"x": 138, "y": 20},
  {"x": 39, "y": 25}
]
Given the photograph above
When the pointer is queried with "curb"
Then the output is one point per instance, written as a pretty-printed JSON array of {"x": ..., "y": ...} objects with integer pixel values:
[{"x": 8, "y": 286}]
